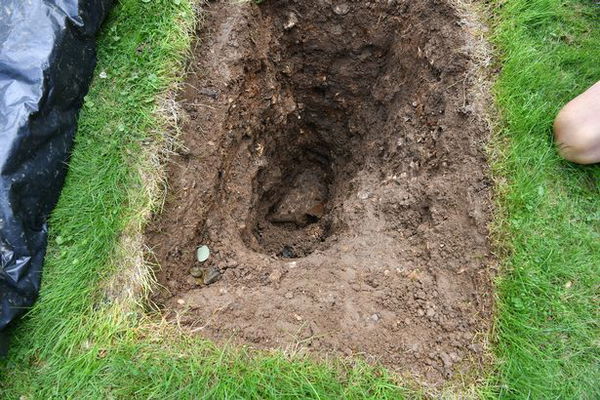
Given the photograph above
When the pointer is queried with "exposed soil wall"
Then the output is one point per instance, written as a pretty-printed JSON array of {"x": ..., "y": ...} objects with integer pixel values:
[{"x": 334, "y": 165}]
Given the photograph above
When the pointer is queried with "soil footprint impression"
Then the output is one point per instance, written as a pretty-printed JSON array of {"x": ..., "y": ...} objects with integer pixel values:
[{"x": 333, "y": 164}]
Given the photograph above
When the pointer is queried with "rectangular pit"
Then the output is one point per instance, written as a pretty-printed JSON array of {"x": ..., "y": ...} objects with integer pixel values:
[{"x": 334, "y": 166}]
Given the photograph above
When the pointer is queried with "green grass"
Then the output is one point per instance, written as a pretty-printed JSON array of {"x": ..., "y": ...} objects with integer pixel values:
[
  {"x": 75, "y": 344},
  {"x": 548, "y": 341}
]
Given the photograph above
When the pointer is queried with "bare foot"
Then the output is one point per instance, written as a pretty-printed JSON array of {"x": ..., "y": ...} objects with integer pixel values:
[{"x": 577, "y": 128}]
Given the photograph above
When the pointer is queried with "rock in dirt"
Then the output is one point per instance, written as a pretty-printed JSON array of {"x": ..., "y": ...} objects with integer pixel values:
[
  {"x": 447, "y": 360},
  {"x": 287, "y": 252},
  {"x": 212, "y": 276},
  {"x": 341, "y": 9},
  {"x": 212, "y": 93},
  {"x": 291, "y": 21},
  {"x": 275, "y": 276},
  {"x": 202, "y": 253},
  {"x": 197, "y": 272}
]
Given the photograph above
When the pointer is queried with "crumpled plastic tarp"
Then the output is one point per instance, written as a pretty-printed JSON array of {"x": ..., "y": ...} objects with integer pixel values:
[{"x": 47, "y": 56}]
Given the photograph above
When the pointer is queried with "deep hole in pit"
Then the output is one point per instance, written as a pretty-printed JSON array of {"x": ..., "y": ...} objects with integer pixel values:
[
  {"x": 331, "y": 126},
  {"x": 293, "y": 199},
  {"x": 333, "y": 164}
]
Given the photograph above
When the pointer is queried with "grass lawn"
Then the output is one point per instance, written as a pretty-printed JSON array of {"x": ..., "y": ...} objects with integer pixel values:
[
  {"x": 548, "y": 336},
  {"x": 75, "y": 344}
]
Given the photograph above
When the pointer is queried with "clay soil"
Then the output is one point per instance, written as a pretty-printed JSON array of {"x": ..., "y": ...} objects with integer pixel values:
[{"x": 333, "y": 162}]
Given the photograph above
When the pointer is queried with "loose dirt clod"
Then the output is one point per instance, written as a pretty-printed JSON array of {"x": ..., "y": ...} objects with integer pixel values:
[{"x": 345, "y": 197}]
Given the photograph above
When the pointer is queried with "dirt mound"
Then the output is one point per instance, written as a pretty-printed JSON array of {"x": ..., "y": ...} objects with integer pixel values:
[{"x": 334, "y": 167}]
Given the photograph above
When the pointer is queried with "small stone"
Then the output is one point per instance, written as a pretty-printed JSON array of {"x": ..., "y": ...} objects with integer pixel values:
[
  {"x": 275, "y": 276},
  {"x": 289, "y": 295},
  {"x": 209, "y": 92},
  {"x": 329, "y": 300},
  {"x": 336, "y": 29},
  {"x": 202, "y": 253},
  {"x": 363, "y": 195},
  {"x": 375, "y": 317},
  {"x": 430, "y": 312},
  {"x": 103, "y": 75},
  {"x": 291, "y": 22},
  {"x": 212, "y": 275},
  {"x": 446, "y": 360},
  {"x": 455, "y": 357},
  {"x": 386, "y": 272},
  {"x": 420, "y": 312},
  {"x": 287, "y": 252},
  {"x": 287, "y": 70},
  {"x": 196, "y": 272},
  {"x": 298, "y": 318},
  {"x": 341, "y": 9},
  {"x": 180, "y": 302},
  {"x": 467, "y": 109},
  {"x": 317, "y": 211}
]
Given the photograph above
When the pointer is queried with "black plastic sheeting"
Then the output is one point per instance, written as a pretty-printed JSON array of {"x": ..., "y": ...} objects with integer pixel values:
[{"x": 47, "y": 56}]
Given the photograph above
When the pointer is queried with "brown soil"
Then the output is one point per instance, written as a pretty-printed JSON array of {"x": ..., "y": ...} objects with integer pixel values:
[{"x": 335, "y": 168}]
